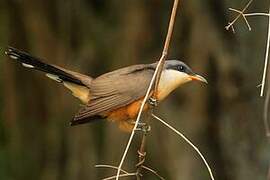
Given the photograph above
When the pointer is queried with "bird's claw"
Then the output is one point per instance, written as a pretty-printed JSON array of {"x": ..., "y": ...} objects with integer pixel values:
[
  {"x": 153, "y": 101},
  {"x": 143, "y": 127}
]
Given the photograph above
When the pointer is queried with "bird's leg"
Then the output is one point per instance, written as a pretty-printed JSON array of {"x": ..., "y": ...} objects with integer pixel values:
[
  {"x": 144, "y": 127},
  {"x": 153, "y": 101}
]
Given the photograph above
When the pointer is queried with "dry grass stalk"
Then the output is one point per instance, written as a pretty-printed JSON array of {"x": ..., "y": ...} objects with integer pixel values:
[
  {"x": 128, "y": 173},
  {"x": 240, "y": 14},
  {"x": 244, "y": 15},
  {"x": 153, "y": 171},
  {"x": 136, "y": 123},
  {"x": 155, "y": 79},
  {"x": 266, "y": 62},
  {"x": 189, "y": 142},
  {"x": 124, "y": 173},
  {"x": 266, "y": 56},
  {"x": 120, "y": 175}
]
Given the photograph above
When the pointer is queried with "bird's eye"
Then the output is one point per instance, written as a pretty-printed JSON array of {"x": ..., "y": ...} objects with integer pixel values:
[{"x": 181, "y": 68}]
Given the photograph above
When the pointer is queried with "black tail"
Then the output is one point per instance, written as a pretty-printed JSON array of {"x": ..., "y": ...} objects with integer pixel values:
[
  {"x": 29, "y": 61},
  {"x": 91, "y": 119}
]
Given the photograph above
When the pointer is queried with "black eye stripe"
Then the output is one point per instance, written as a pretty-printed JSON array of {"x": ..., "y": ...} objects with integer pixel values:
[{"x": 178, "y": 66}]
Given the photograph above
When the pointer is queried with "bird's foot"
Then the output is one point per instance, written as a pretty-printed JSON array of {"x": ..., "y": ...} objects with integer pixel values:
[
  {"x": 153, "y": 101},
  {"x": 144, "y": 127}
]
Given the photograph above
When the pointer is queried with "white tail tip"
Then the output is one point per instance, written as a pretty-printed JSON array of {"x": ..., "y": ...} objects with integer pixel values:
[
  {"x": 54, "y": 77},
  {"x": 27, "y": 65}
]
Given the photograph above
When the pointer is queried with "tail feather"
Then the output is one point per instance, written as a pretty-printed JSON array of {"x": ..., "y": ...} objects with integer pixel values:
[
  {"x": 53, "y": 72},
  {"x": 78, "y": 83},
  {"x": 95, "y": 118}
]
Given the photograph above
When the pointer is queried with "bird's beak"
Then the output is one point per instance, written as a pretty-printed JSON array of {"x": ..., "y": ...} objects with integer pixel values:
[{"x": 198, "y": 78}]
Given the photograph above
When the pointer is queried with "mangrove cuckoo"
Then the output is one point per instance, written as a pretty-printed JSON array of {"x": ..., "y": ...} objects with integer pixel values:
[{"x": 117, "y": 95}]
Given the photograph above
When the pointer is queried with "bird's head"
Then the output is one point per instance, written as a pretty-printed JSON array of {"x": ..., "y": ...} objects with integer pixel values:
[
  {"x": 181, "y": 72},
  {"x": 175, "y": 74}
]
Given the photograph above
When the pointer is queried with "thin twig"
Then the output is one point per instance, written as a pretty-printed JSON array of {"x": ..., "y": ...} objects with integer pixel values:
[
  {"x": 141, "y": 151},
  {"x": 120, "y": 175},
  {"x": 189, "y": 142},
  {"x": 126, "y": 172},
  {"x": 243, "y": 15},
  {"x": 256, "y": 14},
  {"x": 230, "y": 24},
  {"x": 157, "y": 73},
  {"x": 111, "y": 167},
  {"x": 235, "y": 10},
  {"x": 266, "y": 61},
  {"x": 162, "y": 59},
  {"x": 138, "y": 119},
  {"x": 167, "y": 43},
  {"x": 266, "y": 56},
  {"x": 153, "y": 171}
]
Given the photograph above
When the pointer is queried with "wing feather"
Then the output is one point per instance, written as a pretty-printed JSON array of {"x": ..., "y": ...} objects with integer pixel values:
[{"x": 114, "y": 90}]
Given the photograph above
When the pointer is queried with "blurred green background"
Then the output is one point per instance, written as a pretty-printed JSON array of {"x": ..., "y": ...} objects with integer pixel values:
[{"x": 224, "y": 118}]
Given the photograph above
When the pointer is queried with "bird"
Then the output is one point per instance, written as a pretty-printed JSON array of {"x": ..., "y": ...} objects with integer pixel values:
[{"x": 116, "y": 95}]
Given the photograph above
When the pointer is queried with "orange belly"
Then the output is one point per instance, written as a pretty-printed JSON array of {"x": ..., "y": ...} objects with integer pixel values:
[{"x": 126, "y": 115}]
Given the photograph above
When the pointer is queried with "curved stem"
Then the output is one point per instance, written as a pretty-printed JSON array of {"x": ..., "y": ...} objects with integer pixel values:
[{"x": 189, "y": 142}]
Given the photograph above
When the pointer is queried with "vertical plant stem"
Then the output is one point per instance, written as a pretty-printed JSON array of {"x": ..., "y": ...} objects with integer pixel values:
[
  {"x": 155, "y": 79},
  {"x": 142, "y": 151},
  {"x": 141, "y": 154},
  {"x": 266, "y": 57},
  {"x": 167, "y": 44},
  {"x": 137, "y": 121}
]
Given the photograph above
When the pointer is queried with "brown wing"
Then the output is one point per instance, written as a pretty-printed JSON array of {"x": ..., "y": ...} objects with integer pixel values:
[{"x": 117, "y": 89}]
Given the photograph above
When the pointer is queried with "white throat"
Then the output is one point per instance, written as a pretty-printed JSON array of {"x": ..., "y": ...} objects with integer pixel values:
[{"x": 169, "y": 81}]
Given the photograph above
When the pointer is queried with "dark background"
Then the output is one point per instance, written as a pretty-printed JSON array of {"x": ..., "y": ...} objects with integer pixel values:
[{"x": 224, "y": 119}]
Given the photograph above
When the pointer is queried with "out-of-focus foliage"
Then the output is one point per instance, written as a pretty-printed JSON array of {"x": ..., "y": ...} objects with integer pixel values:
[{"x": 223, "y": 118}]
